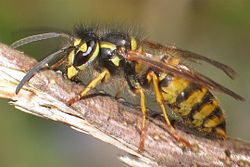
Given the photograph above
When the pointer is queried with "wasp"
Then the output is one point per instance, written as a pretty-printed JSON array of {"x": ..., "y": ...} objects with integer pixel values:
[{"x": 143, "y": 66}]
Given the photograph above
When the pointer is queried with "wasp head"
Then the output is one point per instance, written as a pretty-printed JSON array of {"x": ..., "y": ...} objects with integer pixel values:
[{"x": 84, "y": 52}]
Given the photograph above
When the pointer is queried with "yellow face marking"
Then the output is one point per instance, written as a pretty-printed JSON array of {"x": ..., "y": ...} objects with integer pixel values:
[
  {"x": 95, "y": 53},
  {"x": 77, "y": 41},
  {"x": 116, "y": 60},
  {"x": 83, "y": 47},
  {"x": 71, "y": 58},
  {"x": 206, "y": 110},
  {"x": 133, "y": 43},
  {"x": 171, "y": 91},
  {"x": 71, "y": 72},
  {"x": 108, "y": 45}
]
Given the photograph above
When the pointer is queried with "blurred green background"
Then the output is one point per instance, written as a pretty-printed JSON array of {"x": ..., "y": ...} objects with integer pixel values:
[{"x": 217, "y": 29}]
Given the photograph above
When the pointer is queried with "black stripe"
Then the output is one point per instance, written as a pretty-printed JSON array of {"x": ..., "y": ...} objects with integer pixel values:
[
  {"x": 217, "y": 112},
  {"x": 186, "y": 93},
  {"x": 81, "y": 57},
  {"x": 207, "y": 98}
]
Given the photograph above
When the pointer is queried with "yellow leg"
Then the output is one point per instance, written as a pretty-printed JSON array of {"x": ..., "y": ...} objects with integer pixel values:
[
  {"x": 152, "y": 77},
  {"x": 140, "y": 91},
  {"x": 103, "y": 75},
  {"x": 159, "y": 98}
]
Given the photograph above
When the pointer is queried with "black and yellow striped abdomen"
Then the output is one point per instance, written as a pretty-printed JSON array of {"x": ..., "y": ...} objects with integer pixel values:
[{"x": 195, "y": 104}]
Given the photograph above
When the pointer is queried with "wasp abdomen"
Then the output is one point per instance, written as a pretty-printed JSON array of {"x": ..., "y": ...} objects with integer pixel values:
[{"x": 195, "y": 104}]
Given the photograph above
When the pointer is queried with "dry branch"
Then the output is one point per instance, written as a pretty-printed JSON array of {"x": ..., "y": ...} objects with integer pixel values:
[{"x": 106, "y": 119}]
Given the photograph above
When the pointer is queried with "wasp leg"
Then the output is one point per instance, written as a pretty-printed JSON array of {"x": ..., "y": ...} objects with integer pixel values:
[
  {"x": 139, "y": 90},
  {"x": 152, "y": 77},
  {"x": 104, "y": 75},
  {"x": 135, "y": 86}
]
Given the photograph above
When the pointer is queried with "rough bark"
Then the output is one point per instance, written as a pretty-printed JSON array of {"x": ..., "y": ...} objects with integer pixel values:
[{"x": 107, "y": 119}]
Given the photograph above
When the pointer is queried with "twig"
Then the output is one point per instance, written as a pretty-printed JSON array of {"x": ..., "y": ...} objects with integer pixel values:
[{"x": 106, "y": 119}]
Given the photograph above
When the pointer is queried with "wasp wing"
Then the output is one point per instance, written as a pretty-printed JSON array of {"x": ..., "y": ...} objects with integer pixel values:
[
  {"x": 180, "y": 70},
  {"x": 191, "y": 56}
]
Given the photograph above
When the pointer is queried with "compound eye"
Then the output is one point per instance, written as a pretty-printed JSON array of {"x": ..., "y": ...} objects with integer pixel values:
[{"x": 84, "y": 58}]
